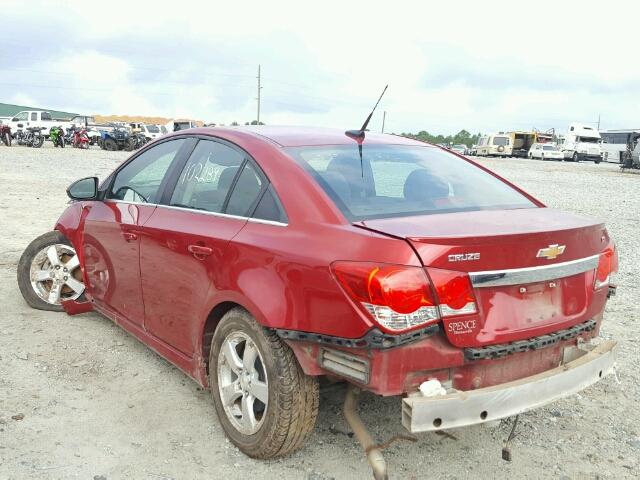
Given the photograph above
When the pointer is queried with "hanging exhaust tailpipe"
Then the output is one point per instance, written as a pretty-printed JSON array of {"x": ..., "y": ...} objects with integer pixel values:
[{"x": 374, "y": 455}]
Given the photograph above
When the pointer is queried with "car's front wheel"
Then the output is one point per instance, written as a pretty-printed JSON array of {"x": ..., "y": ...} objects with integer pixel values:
[
  {"x": 49, "y": 272},
  {"x": 266, "y": 404}
]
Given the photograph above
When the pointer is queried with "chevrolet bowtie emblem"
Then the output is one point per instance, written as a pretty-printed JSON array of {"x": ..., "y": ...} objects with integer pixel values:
[{"x": 551, "y": 252}]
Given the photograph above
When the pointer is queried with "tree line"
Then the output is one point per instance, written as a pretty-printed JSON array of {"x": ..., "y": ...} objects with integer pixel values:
[{"x": 462, "y": 137}]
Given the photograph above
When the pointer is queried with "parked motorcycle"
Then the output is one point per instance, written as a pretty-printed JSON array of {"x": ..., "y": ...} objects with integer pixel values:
[
  {"x": 56, "y": 135},
  {"x": 32, "y": 137},
  {"x": 80, "y": 138},
  {"x": 5, "y": 134}
]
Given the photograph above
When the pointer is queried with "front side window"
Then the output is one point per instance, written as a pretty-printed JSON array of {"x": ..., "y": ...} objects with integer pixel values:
[
  {"x": 46, "y": 116},
  {"x": 139, "y": 181},
  {"x": 34, "y": 116},
  {"x": 207, "y": 177},
  {"x": 397, "y": 181}
]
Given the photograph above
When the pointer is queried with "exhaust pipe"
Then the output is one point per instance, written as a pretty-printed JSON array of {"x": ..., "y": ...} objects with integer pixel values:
[{"x": 373, "y": 452}]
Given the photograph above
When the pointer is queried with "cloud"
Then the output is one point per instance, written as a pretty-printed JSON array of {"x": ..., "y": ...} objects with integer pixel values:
[{"x": 483, "y": 68}]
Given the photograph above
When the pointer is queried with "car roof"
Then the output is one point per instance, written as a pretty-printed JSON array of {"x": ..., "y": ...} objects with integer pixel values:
[{"x": 303, "y": 136}]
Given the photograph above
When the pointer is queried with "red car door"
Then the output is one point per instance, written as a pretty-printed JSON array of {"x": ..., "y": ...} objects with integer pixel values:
[
  {"x": 184, "y": 250},
  {"x": 111, "y": 243}
]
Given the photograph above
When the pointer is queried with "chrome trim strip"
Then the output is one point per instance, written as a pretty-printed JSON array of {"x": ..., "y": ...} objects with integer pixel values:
[
  {"x": 203, "y": 212},
  {"x": 268, "y": 222},
  {"x": 519, "y": 276},
  {"x": 224, "y": 215}
]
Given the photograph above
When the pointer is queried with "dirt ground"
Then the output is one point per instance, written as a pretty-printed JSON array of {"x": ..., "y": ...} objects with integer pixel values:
[{"x": 80, "y": 398}]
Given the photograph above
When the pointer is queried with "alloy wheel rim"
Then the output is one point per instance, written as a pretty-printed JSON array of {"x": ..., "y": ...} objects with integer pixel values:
[
  {"x": 55, "y": 274},
  {"x": 243, "y": 383}
]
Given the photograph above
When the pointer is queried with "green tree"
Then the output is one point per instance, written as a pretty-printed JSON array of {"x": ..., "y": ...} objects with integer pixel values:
[{"x": 462, "y": 137}]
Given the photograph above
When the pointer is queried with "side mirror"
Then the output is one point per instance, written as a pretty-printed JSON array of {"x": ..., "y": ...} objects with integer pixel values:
[
  {"x": 83, "y": 189},
  {"x": 20, "y": 125}
]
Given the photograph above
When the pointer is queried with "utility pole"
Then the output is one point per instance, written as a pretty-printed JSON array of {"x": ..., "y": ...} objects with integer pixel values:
[
  {"x": 598, "y": 122},
  {"x": 259, "y": 88},
  {"x": 384, "y": 116}
]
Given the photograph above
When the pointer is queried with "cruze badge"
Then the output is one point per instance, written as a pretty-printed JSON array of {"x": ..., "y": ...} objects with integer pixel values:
[
  {"x": 464, "y": 257},
  {"x": 551, "y": 252}
]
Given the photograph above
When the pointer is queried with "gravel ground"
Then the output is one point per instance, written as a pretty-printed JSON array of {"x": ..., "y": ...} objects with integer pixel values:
[{"x": 80, "y": 398}]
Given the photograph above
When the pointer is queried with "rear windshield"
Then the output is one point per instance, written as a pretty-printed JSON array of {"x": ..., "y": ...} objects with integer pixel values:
[
  {"x": 500, "y": 141},
  {"x": 548, "y": 147},
  {"x": 397, "y": 181},
  {"x": 153, "y": 129}
]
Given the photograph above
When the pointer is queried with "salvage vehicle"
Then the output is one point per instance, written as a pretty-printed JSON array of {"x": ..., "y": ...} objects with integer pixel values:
[
  {"x": 497, "y": 145},
  {"x": 521, "y": 142},
  {"x": 259, "y": 259},
  {"x": 118, "y": 138},
  {"x": 545, "y": 151},
  {"x": 582, "y": 142},
  {"x": 461, "y": 149}
]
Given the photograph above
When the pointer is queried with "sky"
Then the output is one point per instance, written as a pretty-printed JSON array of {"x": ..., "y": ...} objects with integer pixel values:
[{"x": 483, "y": 66}]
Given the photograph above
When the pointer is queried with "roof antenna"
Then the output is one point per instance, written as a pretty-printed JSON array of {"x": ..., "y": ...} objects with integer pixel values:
[{"x": 358, "y": 135}]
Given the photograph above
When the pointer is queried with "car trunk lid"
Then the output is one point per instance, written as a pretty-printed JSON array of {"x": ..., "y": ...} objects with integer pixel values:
[{"x": 532, "y": 269}]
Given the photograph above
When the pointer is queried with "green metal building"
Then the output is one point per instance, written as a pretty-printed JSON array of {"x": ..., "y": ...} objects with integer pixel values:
[{"x": 8, "y": 110}]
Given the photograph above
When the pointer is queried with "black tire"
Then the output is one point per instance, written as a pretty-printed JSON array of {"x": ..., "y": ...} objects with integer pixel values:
[
  {"x": 597, "y": 161},
  {"x": 576, "y": 158},
  {"x": 292, "y": 396},
  {"x": 24, "y": 270},
  {"x": 110, "y": 144},
  {"x": 6, "y": 138},
  {"x": 38, "y": 140}
]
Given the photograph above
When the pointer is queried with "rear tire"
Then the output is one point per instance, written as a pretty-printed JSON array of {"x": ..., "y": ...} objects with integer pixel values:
[
  {"x": 576, "y": 158},
  {"x": 7, "y": 139},
  {"x": 283, "y": 423}
]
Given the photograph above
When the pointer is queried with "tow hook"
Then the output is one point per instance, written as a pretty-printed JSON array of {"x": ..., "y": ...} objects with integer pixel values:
[{"x": 371, "y": 449}]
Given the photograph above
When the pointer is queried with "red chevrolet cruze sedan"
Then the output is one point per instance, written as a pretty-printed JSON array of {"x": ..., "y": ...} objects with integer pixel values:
[{"x": 258, "y": 260}]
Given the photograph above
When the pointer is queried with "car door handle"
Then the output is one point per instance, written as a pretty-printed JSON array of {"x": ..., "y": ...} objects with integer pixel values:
[
  {"x": 200, "y": 251},
  {"x": 129, "y": 236}
]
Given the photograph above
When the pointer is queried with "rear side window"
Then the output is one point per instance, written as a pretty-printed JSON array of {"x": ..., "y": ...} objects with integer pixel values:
[
  {"x": 34, "y": 116},
  {"x": 270, "y": 208},
  {"x": 396, "y": 181},
  {"x": 46, "y": 116},
  {"x": 207, "y": 177},
  {"x": 246, "y": 192}
]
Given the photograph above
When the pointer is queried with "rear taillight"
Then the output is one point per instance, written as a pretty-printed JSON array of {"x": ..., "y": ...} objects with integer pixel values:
[
  {"x": 454, "y": 290},
  {"x": 400, "y": 297},
  {"x": 607, "y": 267}
]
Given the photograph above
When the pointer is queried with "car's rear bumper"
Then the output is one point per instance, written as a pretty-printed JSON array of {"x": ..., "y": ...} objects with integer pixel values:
[{"x": 462, "y": 408}]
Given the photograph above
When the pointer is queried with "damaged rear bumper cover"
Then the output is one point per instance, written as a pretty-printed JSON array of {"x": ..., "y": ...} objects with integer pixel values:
[{"x": 459, "y": 409}]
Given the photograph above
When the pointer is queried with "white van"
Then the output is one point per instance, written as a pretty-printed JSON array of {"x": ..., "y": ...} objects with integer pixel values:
[
  {"x": 582, "y": 142},
  {"x": 497, "y": 145}
]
